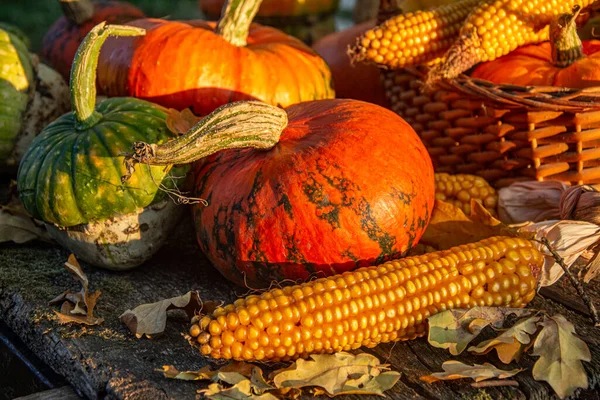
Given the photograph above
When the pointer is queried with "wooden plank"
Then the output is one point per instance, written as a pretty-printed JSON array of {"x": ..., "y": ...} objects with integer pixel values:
[
  {"x": 107, "y": 361},
  {"x": 63, "y": 393}
]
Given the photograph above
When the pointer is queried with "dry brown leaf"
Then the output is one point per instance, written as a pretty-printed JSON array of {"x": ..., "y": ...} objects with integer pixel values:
[
  {"x": 239, "y": 391},
  {"x": 19, "y": 227},
  {"x": 457, "y": 370},
  {"x": 151, "y": 319},
  {"x": 205, "y": 373},
  {"x": 450, "y": 227},
  {"x": 455, "y": 329},
  {"x": 77, "y": 307},
  {"x": 338, "y": 373},
  {"x": 65, "y": 316},
  {"x": 561, "y": 353},
  {"x": 179, "y": 122},
  {"x": 511, "y": 343}
]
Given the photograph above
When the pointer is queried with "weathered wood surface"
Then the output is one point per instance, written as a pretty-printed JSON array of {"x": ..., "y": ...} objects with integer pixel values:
[
  {"x": 63, "y": 393},
  {"x": 108, "y": 362}
]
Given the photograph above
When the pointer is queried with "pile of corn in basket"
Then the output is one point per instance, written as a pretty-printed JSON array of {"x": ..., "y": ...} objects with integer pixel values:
[{"x": 502, "y": 131}]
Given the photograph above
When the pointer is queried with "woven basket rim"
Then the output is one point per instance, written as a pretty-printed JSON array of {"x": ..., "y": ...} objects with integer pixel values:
[{"x": 542, "y": 98}]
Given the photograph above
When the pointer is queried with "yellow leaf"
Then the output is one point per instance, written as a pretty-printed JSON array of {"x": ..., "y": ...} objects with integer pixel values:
[
  {"x": 450, "y": 227},
  {"x": 510, "y": 343},
  {"x": 561, "y": 354},
  {"x": 455, "y": 329},
  {"x": 339, "y": 373},
  {"x": 458, "y": 370}
]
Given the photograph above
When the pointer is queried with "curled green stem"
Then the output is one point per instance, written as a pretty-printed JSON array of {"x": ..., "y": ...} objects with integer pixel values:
[
  {"x": 83, "y": 71},
  {"x": 235, "y": 20},
  {"x": 564, "y": 40},
  {"x": 235, "y": 125}
]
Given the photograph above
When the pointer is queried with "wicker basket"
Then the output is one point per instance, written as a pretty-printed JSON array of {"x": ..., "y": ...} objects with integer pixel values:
[{"x": 504, "y": 133}]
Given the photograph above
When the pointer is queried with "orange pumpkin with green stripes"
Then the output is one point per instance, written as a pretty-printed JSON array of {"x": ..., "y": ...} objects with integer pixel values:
[{"x": 348, "y": 184}]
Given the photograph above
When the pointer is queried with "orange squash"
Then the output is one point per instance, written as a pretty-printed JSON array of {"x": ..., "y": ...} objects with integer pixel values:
[
  {"x": 563, "y": 61},
  {"x": 359, "y": 81},
  {"x": 66, "y": 34},
  {"x": 329, "y": 197},
  {"x": 203, "y": 65}
]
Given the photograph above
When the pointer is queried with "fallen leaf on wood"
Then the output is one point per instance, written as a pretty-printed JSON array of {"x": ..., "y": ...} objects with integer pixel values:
[
  {"x": 239, "y": 391},
  {"x": 511, "y": 343},
  {"x": 77, "y": 307},
  {"x": 179, "y": 122},
  {"x": 450, "y": 227},
  {"x": 65, "y": 316},
  {"x": 457, "y": 370},
  {"x": 339, "y": 373},
  {"x": 20, "y": 227},
  {"x": 570, "y": 239},
  {"x": 455, "y": 329},
  {"x": 561, "y": 353},
  {"x": 151, "y": 319}
]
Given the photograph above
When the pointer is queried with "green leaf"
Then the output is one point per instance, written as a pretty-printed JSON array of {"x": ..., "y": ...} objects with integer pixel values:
[
  {"x": 455, "y": 329},
  {"x": 561, "y": 353},
  {"x": 339, "y": 373},
  {"x": 457, "y": 370},
  {"x": 510, "y": 344}
]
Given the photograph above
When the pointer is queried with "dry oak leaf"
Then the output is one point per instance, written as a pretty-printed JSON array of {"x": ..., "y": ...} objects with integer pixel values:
[
  {"x": 205, "y": 373},
  {"x": 511, "y": 342},
  {"x": 151, "y": 319},
  {"x": 239, "y": 391},
  {"x": 450, "y": 227},
  {"x": 339, "y": 373},
  {"x": 247, "y": 380},
  {"x": 19, "y": 227},
  {"x": 457, "y": 370},
  {"x": 561, "y": 354},
  {"x": 179, "y": 122},
  {"x": 455, "y": 329},
  {"x": 77, "y": 307}
]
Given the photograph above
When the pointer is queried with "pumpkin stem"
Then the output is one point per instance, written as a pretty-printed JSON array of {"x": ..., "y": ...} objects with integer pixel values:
[
  {"x": 236, "y": 17},
  {"x": 77, "y": 11},
  {"x": 83, "y": 71},
  {"x": 564, "y": 41},
  {"x": 231, "y": 126}
]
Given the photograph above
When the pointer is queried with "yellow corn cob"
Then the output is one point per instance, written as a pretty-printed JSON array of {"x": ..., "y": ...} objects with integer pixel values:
[
  {"x": 497, "y": 27},
  {"x": 413, "y": 38},
  {"x": 372, "y": 305},
  {"x": 459, "y": 189}
]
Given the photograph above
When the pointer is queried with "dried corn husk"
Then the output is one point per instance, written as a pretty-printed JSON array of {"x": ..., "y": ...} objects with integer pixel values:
[
  {"x": 530, "y": 201},
  {"x": 542, "y": 201}
]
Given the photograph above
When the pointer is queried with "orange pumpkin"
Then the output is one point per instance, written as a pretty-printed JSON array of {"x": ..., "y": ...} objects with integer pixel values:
[
  {"x": 329, "y": 197},
  {"x": 202, "y": 65},
  {"x": 359, "y": 81},
  {"x": 66, "y": 34},
  {"x": 563, "y": 61}
]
